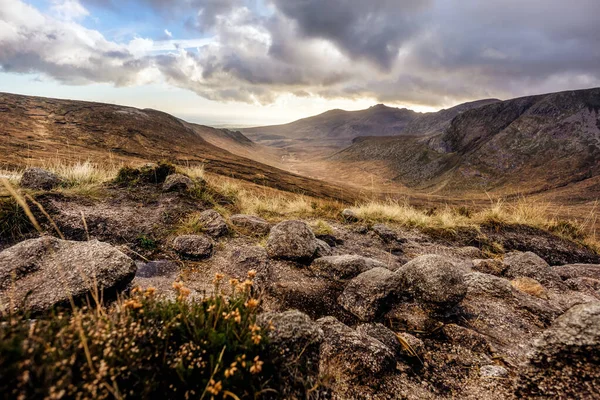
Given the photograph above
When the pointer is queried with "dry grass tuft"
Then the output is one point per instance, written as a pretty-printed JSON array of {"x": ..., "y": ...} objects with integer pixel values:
[
  {"x": 529, "y": 286},
  {"x": 194, "y": 171}
]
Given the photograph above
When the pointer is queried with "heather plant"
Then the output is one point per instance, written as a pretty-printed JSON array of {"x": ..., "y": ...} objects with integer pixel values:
[{"x": 142, "y": 346}]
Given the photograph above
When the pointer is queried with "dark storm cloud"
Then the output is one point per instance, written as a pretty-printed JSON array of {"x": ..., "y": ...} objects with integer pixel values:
[
  {"x": 432, "y": 52},
  {"x": 374, "y": 30}
]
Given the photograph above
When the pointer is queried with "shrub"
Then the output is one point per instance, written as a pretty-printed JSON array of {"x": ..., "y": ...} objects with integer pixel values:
[
  {"x": 142, "y": 347},
  {"x": 147, "y": 174}
]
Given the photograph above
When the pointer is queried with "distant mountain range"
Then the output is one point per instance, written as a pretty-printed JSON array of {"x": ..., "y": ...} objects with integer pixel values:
[
  {"x": 534, "y": 143},
  {"x": 37, "y": 129},
  {"x": 339, "y": 127}
]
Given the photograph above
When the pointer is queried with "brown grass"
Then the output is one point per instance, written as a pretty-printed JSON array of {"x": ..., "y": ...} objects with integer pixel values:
[{"x": 529, "y": 286}]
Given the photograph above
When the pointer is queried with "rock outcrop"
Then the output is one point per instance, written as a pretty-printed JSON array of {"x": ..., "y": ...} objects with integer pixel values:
[
  {"x": 193, "y": 247},
  {"x": 40, "y": 179},
  {"x": 291, "y": 240},
  {"x": 38, "y": 274}
]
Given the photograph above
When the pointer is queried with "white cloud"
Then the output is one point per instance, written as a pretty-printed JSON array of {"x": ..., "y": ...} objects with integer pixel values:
[
  {"x": 68, "y": 10},
  {"x": 168, "y": 33}
]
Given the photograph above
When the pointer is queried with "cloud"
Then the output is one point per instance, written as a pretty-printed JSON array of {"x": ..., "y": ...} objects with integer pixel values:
[{"x": 425, "y": 52}]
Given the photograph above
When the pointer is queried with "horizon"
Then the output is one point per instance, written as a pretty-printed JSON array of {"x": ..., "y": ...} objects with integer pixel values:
[{"x": 264, "y": 62}]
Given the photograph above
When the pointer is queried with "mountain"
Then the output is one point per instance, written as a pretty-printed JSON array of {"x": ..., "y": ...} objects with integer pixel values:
[
  {"x": 338, "y": 127},
  {"x": 33, "y": 129},
  {"x": 536, "y": 142}
]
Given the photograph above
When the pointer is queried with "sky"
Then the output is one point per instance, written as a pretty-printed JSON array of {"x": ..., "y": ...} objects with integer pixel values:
[{"x": 257, "y": 62}]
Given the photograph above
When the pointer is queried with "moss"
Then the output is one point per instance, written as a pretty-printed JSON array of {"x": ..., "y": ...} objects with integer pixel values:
[{"x": 147, "y": 174}]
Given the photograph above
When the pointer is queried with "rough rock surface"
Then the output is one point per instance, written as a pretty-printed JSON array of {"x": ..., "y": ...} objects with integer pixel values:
[
  {"x": 433, "y": 279},
  {"x": 323, "y": 249},
  {"x": 366, "y": 295},
  {"x": 566, "y": 358},
  {"x": 193, "y": 247},
  {"x": 349, "y": 215},
  {"x": 250, "y": 224},
  {"x": 387, "y": 235},
  {"x": 351, "y": 355},
  {"x": 530, "y": 265},
  {"x": 39, "y": 179},
  {"x": 291, "y": 240},
  {"x": 46, "y": 271},
  {"x": 177, "y": 183},
  {"x": 578, "y": 271},
  {"x": 213, "y": 223},
  {"x": 157, "y": 268},
  {"x": 343, "y": 267}
]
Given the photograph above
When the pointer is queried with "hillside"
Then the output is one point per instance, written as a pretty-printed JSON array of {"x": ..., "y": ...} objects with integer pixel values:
[
  {"x": 534, "y": 143},
  {"x": 338, "y": 127},
  {"x": 33, "y": 129}
]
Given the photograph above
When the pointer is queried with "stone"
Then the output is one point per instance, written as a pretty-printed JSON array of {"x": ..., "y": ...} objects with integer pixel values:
[
  {"x": 530, "y": 265},
  {"x": 213, "y": 223},
  {"x": 465, "y": 337},
  {"x": 365, "y": 296},
  {"x": 349, "y": 216},
  {"x": 157, "y": 268},
  {"x": 383, "y": 334},
  {"x": 193, "y": 247},
  {"x": 493, "y": 371},
  {"x": 294, "y": 350},
  {"x": 483, "y": 284},
  {"x": 38, "y": 274},
  {"x": 177, "y": 183},
  {"x": 410, "y": 317},
  {"x": 434, "y": 280},
  {"x": 565, "y": 362},
  {"x": 343, "y": 267},
  {"x": 291, "y": 240},
  {"x": 250, "y": 224},
  {"x": 323, "y": 249},
  {"x": 246, "y": 258},
  {"x": 387, "y": 235},
  {"x": 39, "y": 179},
  {"x": 351, "y": 355},
  {"x": 571, "y": 271},
  {"x": 293, "y": 334}
]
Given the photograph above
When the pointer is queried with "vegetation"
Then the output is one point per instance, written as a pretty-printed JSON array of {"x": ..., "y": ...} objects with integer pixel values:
[
  {"x": 142, "y": 347},
  {"x": 147, "y": 174}
]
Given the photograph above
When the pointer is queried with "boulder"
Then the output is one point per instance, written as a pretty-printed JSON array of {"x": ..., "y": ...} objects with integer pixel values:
[
  {"x": 383, "y": 334},
  {"x": 465, "y": 337},
  {"x": 323, "y": 249},
  {"x": 177, "y": 183},
  {"x": 343, "y": 267},
  {"x": 294, "y": 350},
  {"x": 530, "y": 265},
  {"x": 365, "y": 296},
  {"x": 483, "y": 284},
  {"x": 434, "y": 280},
  {"x": 193, "y": 247},
  {"x": 38, "y": 274},
  {"x": 213, "y": 223},
  {"x": 578, "y": 271},
  {"x": 39, "y": 179},
  {"x": 410, "y": 316},
  {"x": 293, "y": 335},
  {"x": 351, "y": 355},
  {"x": 250, "y": 224},
  {"x": 157, "y": 268},
  {"x": 387, "y": 235},
  {"x": 246, "y": 258},
  {"x": 349, "y": 216},
  {"x": 565, "y": 362},
  {"x": 291, "y": 240}
]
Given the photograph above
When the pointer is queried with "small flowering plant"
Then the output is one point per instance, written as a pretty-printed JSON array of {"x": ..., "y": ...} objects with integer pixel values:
[{"x": 142, "y": 347}]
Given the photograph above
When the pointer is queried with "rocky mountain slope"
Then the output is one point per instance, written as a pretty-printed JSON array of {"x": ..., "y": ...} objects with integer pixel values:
[
  {"x": 536, "y": 142},
  {"x": 33, "y": 129},
  {"x": 367, "y": 311},
  {"x": 339, "y": 127}
]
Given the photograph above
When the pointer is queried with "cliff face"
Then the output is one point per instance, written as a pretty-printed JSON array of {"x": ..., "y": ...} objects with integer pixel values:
[{"x": 543, "y": 141}]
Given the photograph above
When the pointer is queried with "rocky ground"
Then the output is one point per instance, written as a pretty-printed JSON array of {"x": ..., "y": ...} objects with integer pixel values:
[{"x": 372, "y": 311}]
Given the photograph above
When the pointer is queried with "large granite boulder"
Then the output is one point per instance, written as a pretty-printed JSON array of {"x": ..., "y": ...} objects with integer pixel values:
[
  {"x": 38, "y": 274},
  {"x": 39, "y": 179},
  {"x": 291, "y": 240}
]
